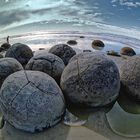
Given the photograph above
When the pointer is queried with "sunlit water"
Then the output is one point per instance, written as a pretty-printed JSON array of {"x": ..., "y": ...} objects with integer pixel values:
[
  {"x": 124, "y": 123},
  {"x": 48, "y": 39}
]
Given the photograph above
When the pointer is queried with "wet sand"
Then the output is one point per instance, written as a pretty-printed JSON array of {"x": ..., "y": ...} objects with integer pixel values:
[{"x": 96, "y": 128}]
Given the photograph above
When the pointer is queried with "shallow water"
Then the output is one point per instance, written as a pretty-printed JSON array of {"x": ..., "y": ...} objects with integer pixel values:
[
  {"x": 120, "y": 122},
  {"x": 124, "y": 123}
]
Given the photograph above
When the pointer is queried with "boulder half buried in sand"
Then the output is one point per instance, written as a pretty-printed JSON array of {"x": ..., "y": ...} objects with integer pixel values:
[
  {"x": 98, "y": 44},
  {"x": 31, "y": 100},
  {"x": 90, "y": 80},
  {"x": 63, "y": 51},
  {"x": 127, "y": 51}
]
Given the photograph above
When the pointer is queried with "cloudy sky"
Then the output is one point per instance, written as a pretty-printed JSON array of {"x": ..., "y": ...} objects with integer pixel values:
[{"x": 107, "y": 15}]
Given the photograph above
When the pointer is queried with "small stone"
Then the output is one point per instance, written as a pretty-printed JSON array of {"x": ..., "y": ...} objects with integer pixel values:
[
  {"x": 7, "y": 67},
  {"x": 130, "y": 78},
  {"x": 31, "y": 101},
  {"x": 127, "y": 51},
  {"x": 48, "y": 63},
  {"x": 90, "y": 80},
  {"x": 41, "y": 48},
  {"x": 72, "y": 120},
  {"x": 72, "y": 42},
  {"x": 113, "y": 53},
  {"x": 20, "y": 52},
  {"x": 82, "y": 37},
  {"x": 87, "y": 51},
  {"x": 63, "y": 51}
]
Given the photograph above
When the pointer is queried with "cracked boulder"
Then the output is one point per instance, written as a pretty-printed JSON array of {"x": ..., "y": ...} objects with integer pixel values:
[
  {"x": 130, "y": 78},
  {"x": 90, "y": 80},
  {"x": 31, "y": 100},
  {"x": 20, "y": 52},
  {"x": 48, "y": 63},
  {"x": 7, "y": 67},
  {"x": 63, "y": 51}
]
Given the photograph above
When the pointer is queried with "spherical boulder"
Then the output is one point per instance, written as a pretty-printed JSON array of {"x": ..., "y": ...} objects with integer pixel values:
[
  {"x": 98, "y": 44},
  {"x": 113, "y": 53},
  {"x": 90, "y": 80},
  {"x": 21, "y": 52},
  {"x": 5, "y": 46},
  {"x": 72, "y": 42},
  {"x": 127, "y": 51},
  {"x": 130, "y": 77},
  {"x": 48, "y": 63},
  {"x": 64, "y": 51},
  {"x": 7, "y": 67},
  {"x": 31, "y": 100}
]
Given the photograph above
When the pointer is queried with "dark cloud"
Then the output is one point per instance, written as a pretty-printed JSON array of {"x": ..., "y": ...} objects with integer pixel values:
[
  {"x": 41, "y": 11},
  {"x": 68, "y": 12},
  {"x": 9, "y": 17},
  {"x": 18, "y": 15}
]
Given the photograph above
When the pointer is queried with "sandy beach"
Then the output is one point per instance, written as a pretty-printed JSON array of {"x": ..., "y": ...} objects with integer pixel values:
[{"x": 97, "y": 126}]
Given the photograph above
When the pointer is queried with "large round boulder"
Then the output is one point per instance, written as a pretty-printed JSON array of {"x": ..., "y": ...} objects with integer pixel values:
[
  {"x": 31, "y": 100},
  {"x": 130, "y": 77},
  {"x": 21, "y": 52},
  {"x": 64, "y": 51},
  {"x": 90, "y": 80},
  {"x": 7, "y": 67},
  {"x": 48, "y": 63},
  {"x": 127, "y": 51}
]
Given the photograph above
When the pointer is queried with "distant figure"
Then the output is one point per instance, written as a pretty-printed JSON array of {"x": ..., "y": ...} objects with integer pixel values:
[{"x": 8, "y": 39}]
